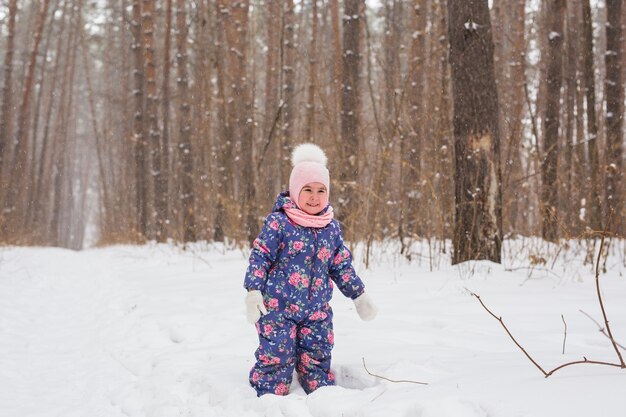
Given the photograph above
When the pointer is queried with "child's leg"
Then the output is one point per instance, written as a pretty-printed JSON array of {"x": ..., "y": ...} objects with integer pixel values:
[
  {"x": 314, "y": 343},
  {"x": 275, "y": 355}
]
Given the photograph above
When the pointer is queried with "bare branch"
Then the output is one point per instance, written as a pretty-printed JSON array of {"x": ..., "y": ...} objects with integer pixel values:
[
  {"x": 392, "y": 380},
  {"x": 582, "y": 362},
  {"x": 606, "y": 320},
  {"x": 546, "y": 374},
  {"x": 565, "y": 333},
  {"x": 509, "y": 333}
]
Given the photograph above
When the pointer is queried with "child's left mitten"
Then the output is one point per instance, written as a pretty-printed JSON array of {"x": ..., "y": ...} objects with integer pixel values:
[{"x": 365, "y": 307}]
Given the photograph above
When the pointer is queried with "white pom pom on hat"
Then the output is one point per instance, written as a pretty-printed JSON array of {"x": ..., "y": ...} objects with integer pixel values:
[
  {"x": 308, "y": 152},
  {"x": 309, "y": 165}
]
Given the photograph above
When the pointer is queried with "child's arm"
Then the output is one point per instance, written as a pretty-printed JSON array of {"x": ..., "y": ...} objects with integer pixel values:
[
  {"x": 342, "y": 272},
  {"x": 263, "y": 255}
]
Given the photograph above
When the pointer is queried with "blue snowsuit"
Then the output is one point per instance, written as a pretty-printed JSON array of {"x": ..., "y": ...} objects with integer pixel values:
[{"x": 295, "y": 267}]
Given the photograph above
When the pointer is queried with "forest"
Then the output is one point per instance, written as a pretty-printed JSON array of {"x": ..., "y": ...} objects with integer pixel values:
[{"x": 126, "y": 121}]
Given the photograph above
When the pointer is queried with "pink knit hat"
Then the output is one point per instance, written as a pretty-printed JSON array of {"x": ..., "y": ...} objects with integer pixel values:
[{"x": 309, "y": 165}]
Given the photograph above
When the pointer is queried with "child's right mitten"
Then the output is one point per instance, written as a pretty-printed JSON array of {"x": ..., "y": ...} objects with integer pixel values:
[
  {"x": 254, "y": 306},
  {"x": 365, "y": 307}
]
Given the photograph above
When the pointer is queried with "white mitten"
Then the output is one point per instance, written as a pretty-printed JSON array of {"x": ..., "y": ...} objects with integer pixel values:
[
  {"x": 254, "y": 306},
  {"x": 365, "y": 307}
]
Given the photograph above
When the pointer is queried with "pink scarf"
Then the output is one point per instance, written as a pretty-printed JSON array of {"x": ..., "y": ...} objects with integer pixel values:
[{"x": 309, "y": 220}]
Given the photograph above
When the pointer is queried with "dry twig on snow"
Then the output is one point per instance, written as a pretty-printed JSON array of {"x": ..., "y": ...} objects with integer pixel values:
[
  {"x": 565, "y": 333},
  {"x": 392, "y": 380}
]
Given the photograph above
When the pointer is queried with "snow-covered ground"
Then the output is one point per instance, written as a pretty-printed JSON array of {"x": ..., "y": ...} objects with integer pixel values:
[{"x": 158, "y": 331}]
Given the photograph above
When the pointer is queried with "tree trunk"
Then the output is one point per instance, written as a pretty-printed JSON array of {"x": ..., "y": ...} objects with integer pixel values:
[
  {"x": 478, "y": 220},
  {"x": 157, "y": 152},
  {"x": 15, "y": 203},
  {"x": 7, "y": 89},
  {"x": 337, "y": 61},
  {"x": 223, "y": 145},
  {"x": 411, "y": 143},
  {"x": 309, "y": 132},
  {"x": 350, "y": 110},
  {"x": 570, "y": 207},
  {"x": 288, "y": 90},
  {"x": 184, "y": 147},
  {"x": 614, "y": 96},
  {"x": 140, "y": 148},
  {"x": 549, "y": 165},
  {"x": 594, "y": 203},
  {"x": 272, "y": 133},
  {"x": 165, "y": 104}
]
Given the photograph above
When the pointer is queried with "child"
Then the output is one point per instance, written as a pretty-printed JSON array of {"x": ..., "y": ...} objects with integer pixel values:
[{"x": 298, "y": 252}]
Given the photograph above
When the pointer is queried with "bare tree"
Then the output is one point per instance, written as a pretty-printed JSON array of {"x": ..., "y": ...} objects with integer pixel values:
[
  {"x": 614, "y": 96},
  {"x": 478, "y": 221},
  {"x": 165, "y": 104},
  {"x": 151, "y": 109},
  {"x": 570, "y": 207},
  {"x": 594, "y": 204},
  {"x": 140, "y": 148},
  {"x": 549, "y": 166},
  {"x": 309, "y": 132},
  {"x": 184, "y": 115},
  {"x": 412, "y": 142},
  {"x": 7, "y": 89},
  {"x": 288, "y": 70},
  {"x": 350, "y": 110},
  {"x": 15, "y": 200}
]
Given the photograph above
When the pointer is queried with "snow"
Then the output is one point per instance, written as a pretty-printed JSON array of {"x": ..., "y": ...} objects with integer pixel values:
[{"x": 158, "y": 331}]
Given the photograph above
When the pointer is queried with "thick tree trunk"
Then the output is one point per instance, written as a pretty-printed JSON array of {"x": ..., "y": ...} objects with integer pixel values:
[{"x": 478, "y": 220}]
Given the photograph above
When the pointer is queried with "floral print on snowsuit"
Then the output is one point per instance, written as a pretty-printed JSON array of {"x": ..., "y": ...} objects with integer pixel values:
[{"x": 295, "y": 268}]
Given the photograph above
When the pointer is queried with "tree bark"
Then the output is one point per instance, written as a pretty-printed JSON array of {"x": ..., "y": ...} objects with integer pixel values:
[
  {"x": 570, "y": 207},
  {"x": 549, "y": 165},
  {"x": 614, "y": 97},
  {"x": 16, "y": 203},
  {"x": 160, "y": 214},
  {"x": 594, "y": 203},
  {"x": 309, "y": 132},
  {"x": 164, "y": 148},
  {"x": 7, "y": 88},
  {"x": 350, "y": 111},
  {"x": 272, "y": 94},
  {"x": 185, "y": 147},
  {"x": 411, "y": 143},
  {"x": 478, "y": 210},
  {"x": 140, "y": 148},
  {"x": 288, "y": 90}
]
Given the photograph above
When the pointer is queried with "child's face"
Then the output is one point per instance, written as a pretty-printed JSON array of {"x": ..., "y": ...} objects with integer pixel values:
[{"x": 313, "y": 197}]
